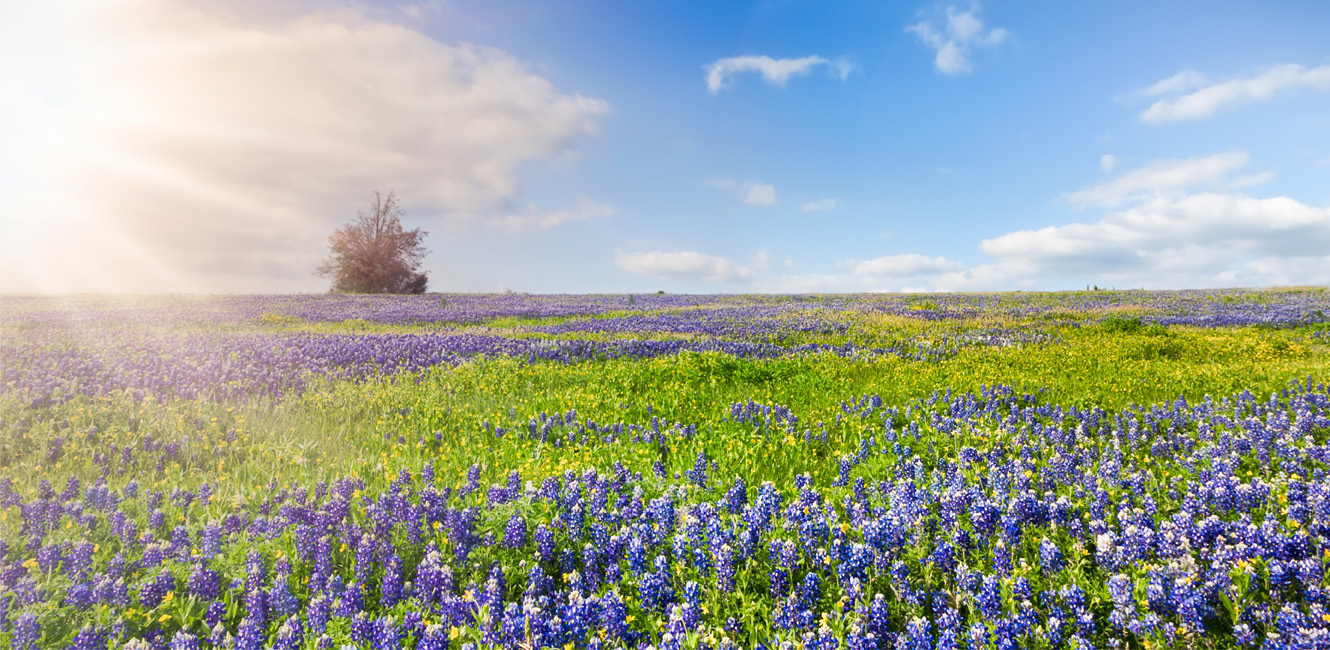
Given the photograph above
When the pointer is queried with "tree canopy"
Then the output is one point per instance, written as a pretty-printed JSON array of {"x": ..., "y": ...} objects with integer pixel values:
[{"x": 375, "y": 254}]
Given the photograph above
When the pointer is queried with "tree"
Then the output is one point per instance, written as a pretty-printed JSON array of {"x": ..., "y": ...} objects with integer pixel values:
[{"x": 374, "y": 254}]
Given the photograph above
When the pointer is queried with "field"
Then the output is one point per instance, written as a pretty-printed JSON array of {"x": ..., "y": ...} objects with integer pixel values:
[{"x": 1081, "y": 470}]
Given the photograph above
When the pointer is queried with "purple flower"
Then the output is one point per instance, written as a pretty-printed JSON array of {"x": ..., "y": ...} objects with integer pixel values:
[
  {"x": 1120, "y": 589},
  {"x": 362, "y": 629},
  {"x": 152, "y": 594},
  {"x": 385, "y": 636},
  {"x": 989, "y": 598},
  {"x": 184, "y": 641},
  {"x": 544, "y": 542},
  {"x": 250, "y": 636},
  {"x": 318, "y": 613},
  {"x": 435, "y": 637},
  {"x": 698, "y": 474},
  {"x": 916, "y": 636},
  {"x": 290, "y": 635},
  {"x": 514, "y": 534},
  {"x": 204, "y": 583},
  {"x": 89, "y": 638},
  {"x": 1050, "y": 557},
  {"x": 352, "y": 601},
  {"x": 725, "y": 569},
  {"x": 391, "y": 587},
  {"x": 26, "y": 632}
]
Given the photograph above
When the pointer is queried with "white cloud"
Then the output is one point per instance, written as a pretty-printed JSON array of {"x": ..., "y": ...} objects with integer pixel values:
[
  {"x": 910, "y": 265},
  {"x": 192, "y": 147},
  {"x": 749, "y": 192},
  {"x": 953, "y": 43},
  {"x": 1202, "y": 100},
  {"x": 760, "y": 194},
  {"x": 1160, "y": 177},
  {"x": 1181, "y": 82},
  {"x": 776, "y": 72},
  {"x": 1196, "y": 240},
  {"x": 1164, "y": 237},
  {"x": 905, "y": 272},
  {"x": 760, "y": 261},
  {"x": 1107, "y": 162},
  {"x": 809, "y": 283},
  {"x": 682, "y": 265},
  {"x": 534, "y": 219},
  {"x": 820, "y": 205}
]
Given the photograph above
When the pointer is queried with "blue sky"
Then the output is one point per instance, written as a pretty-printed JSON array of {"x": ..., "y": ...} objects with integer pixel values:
[{"x": 677, "y": 146}]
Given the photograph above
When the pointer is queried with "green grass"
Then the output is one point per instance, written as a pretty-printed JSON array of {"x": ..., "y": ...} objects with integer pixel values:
[{"x": 340, "y": 428}]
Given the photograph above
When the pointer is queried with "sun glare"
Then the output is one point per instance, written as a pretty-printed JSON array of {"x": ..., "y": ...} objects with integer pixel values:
[{"x": 71, "y": 93}]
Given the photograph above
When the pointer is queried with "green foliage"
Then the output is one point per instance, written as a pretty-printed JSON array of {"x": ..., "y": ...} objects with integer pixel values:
[{"x": 279, "y": 320}]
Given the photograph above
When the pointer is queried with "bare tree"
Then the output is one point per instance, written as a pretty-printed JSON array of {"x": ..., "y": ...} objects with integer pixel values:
[{"x": 374, "y": 254}]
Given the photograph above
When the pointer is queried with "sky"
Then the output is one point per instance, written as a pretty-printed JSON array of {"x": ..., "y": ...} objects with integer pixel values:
[{"x": 211, "y": 146}]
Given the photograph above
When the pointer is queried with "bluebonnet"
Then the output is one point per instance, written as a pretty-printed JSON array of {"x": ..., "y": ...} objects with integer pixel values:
[
  {"x": 89, "y": 638},
  {"x": 26, "y": 632},
  {"x": 1050, "y": 557},
  {"x": 916, "y": 636},
  {"x": 514, "y": 534},
  {"x": 184, "y": 641},
  {"x": 390, "y": 590},
  {"x": 385, "y": 635}
]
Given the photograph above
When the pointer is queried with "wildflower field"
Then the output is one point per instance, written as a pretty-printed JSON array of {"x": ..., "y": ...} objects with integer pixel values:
[{"x": 916, "y": 472}]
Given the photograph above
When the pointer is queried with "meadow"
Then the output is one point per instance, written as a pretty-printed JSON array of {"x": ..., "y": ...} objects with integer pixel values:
[{"x": 1126, "y": 469}]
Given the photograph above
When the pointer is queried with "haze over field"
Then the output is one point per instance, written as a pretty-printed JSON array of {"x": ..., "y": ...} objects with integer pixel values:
[{"x": 782, "y": 146}]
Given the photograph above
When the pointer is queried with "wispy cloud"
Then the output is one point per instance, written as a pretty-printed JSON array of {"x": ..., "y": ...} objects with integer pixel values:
[
  {"x": 749, "y": 192},
  {"x": 1163, "y": 176},
  {"x": 1195, "y": 98},
  {"x": 820, "y": 205},
  {"x": 534, "y": 219},
  {"x": 776, "y": 72},
  {"x": 963, "y": 31},
  {"x": 1182, "y": 82},
  {"x": 683, "y": 265},
  {"x": 909, "y": 265},
  {"x": 760, "y": 194},
  {"x": 1107, "y": 162}
]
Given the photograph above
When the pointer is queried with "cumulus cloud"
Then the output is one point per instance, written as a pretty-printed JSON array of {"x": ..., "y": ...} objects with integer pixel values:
[
  {"x": 953, "y": 42},
  {"x": 1183, "y": 240},
  {"x": 535, "y": 219},
  {"x": 1193, "y": 97},
  {"x": 682, "y": 265},
  {"x": 820, "y": 205},
  {"x": 1159, "y": 232},
  {"x": 776, "y": 72},
  {"x": 1207, "y": 239},
  {"x": 187, "y": 147},
  {"x": 1164, "y": 176}
]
